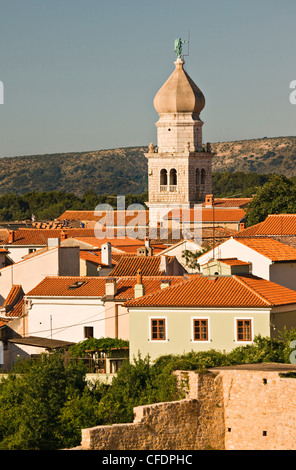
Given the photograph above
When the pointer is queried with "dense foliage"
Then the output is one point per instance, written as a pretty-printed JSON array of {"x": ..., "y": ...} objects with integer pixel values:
[
  {"x": 50, "y": 205},
  {"x": 277, "y": 196},
  {"x": 44, "y": 403},
  {"x": 273, "y": 193},
  {"x": 237, "y": 184}
]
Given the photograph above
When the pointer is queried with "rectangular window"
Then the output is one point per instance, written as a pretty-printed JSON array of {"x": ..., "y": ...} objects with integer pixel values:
[
  {"x": 200, "y": 330},
  {"x": 88, "y": 331},
  {"x": 158, "y": 329},
  {"x": 244, "y": 330}
]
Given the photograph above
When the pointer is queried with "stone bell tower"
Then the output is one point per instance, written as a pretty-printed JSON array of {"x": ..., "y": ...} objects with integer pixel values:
[{"x": 180, "y": 167}]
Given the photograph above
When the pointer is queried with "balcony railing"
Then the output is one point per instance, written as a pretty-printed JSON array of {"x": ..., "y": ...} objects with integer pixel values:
[
  {"x": 163, "y": 187},
  {"x": 173, "y": 188}
]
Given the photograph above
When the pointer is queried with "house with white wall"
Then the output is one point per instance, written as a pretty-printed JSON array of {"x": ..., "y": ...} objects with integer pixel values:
[
  {"x": 69, "y": 309},
  {"x": 51, "y": 261},
  {"x": 269, "y": 259}
]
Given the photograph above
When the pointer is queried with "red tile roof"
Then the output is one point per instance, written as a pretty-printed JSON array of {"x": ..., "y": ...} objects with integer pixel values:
[
  {"x": 130, "y": 265},
  {"x": 17, "y": 310},
  {"x": 34, "y": 236},
  {"x": 119, "y": 218},
  {"x": 15, "y": 293},
  {"x": 92, "y": 257},
  {"x": 272, "y": 249},
  {"x": 274, "y": 224},
  {"x": 232, "y": 202},
  {"x": 220, "y": 292},
  {"x": 233, "y": 262},
  {"x": 58, "y": 286},
  {"x": 208, "y": 215}
]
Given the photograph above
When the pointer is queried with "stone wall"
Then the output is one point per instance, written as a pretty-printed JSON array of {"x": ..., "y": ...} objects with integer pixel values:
[
  {"x": 251, "y": 407},
  {"x": 189, "y": 424},
  {"x": 260, "y": 410}
]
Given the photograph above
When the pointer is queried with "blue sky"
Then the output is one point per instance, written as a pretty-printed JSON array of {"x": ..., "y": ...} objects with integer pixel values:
[{"x": 82, "y": 75}]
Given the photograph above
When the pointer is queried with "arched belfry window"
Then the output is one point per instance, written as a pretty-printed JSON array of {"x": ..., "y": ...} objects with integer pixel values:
[
  {"x": 163, "y": 179},
  {"x": 197, "y": 176},
  {"x": 202, "y": 176},
  {"x": 173, "y": 179}
]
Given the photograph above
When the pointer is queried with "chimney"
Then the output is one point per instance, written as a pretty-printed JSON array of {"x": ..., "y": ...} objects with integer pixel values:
[
  {"x": 63, "y": 235},
  {"x": 242, "y": 226},
  {"x": 53, "y": 242},
  {"x": 11, "y": 236},
  {"x": 106, "y": 254},
  {"x": 163, "y": 263},
  {"x": 139, "y": 286},
  {"x": 148, "y": 246},
  {"x": 209, "y": 200},
  {"x": 110, "y": 287}
]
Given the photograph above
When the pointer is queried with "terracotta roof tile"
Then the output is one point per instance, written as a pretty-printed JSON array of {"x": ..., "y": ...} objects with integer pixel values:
[
  {"x": 118, "y": 217},
  {"x": 233, "y": 261},
  {"x": 272, "y": 249},
  {"x": 221, "y": 292},
  {"x": 232, "y": 202},
  {"x": 58, "y": 286},
  {"x": 148, "y": 265},
  {"x": 219, "y": 215},
  {"x": 278, "y": 224},
  {"x": 34, "y": 236},
  {"x": 273, "y": 225},
  {"x": 17, "y": 310},
  {"x": 15, "y": 293}
]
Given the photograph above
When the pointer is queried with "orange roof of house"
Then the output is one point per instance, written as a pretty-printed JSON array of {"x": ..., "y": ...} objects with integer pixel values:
[
  {"x": 94, "y": 286},
  {"x": 278, "y": 224},
  {"x": 14, "y": 294},
  {"x": 130, "y": 265},
  {"x": 233, "y": 261},
  {"x": 218, "y": 215},
  {"x": 243, "y": 291},
  {"x": 92, "y": 257},
  {"x": 34, "y": 236},
  {"x": 17, "y": 310},
  {"x": 125, "y": 245},
  {"x": 273, "y": 225},
  {"x": 119, "y": 218},
  {"x": 272, "y": 249},
  {"x": 232, "y": 202}
]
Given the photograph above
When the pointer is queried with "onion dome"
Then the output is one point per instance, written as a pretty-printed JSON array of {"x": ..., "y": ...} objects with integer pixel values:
[{"x": 179, "y": 94}]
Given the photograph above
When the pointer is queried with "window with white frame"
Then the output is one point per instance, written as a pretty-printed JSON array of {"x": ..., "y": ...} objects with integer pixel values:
[
  {"x": 243, "y": 329},
  {"x": 200, "y": 329},
  {"x": 158, "y": 329}
]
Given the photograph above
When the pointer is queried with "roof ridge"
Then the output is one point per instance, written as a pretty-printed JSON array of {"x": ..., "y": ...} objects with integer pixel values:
[
  {"x": 238, "y": 278},
  {"x": 160, "y": 290}
]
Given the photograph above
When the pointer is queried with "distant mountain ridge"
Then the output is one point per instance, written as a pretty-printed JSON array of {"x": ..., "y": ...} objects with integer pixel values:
[{"x": 124, "y": 170}]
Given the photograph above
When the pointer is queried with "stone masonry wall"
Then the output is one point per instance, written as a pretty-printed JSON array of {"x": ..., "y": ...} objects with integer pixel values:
[
  {"x": 260, "y": 410},
  {"x": 189, "y": 424},
  {"x": 243, "y": 408}
]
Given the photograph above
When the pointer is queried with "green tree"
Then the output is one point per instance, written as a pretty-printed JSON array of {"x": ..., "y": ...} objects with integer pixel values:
[
  {"x": 278, "y": 195},
  {"x": 137, "y": 383},
  {"x": 32, "y": 401}
]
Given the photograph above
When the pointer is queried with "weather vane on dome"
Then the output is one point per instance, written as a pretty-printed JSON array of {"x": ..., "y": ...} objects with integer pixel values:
[{"x": 178, "y": 47}]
